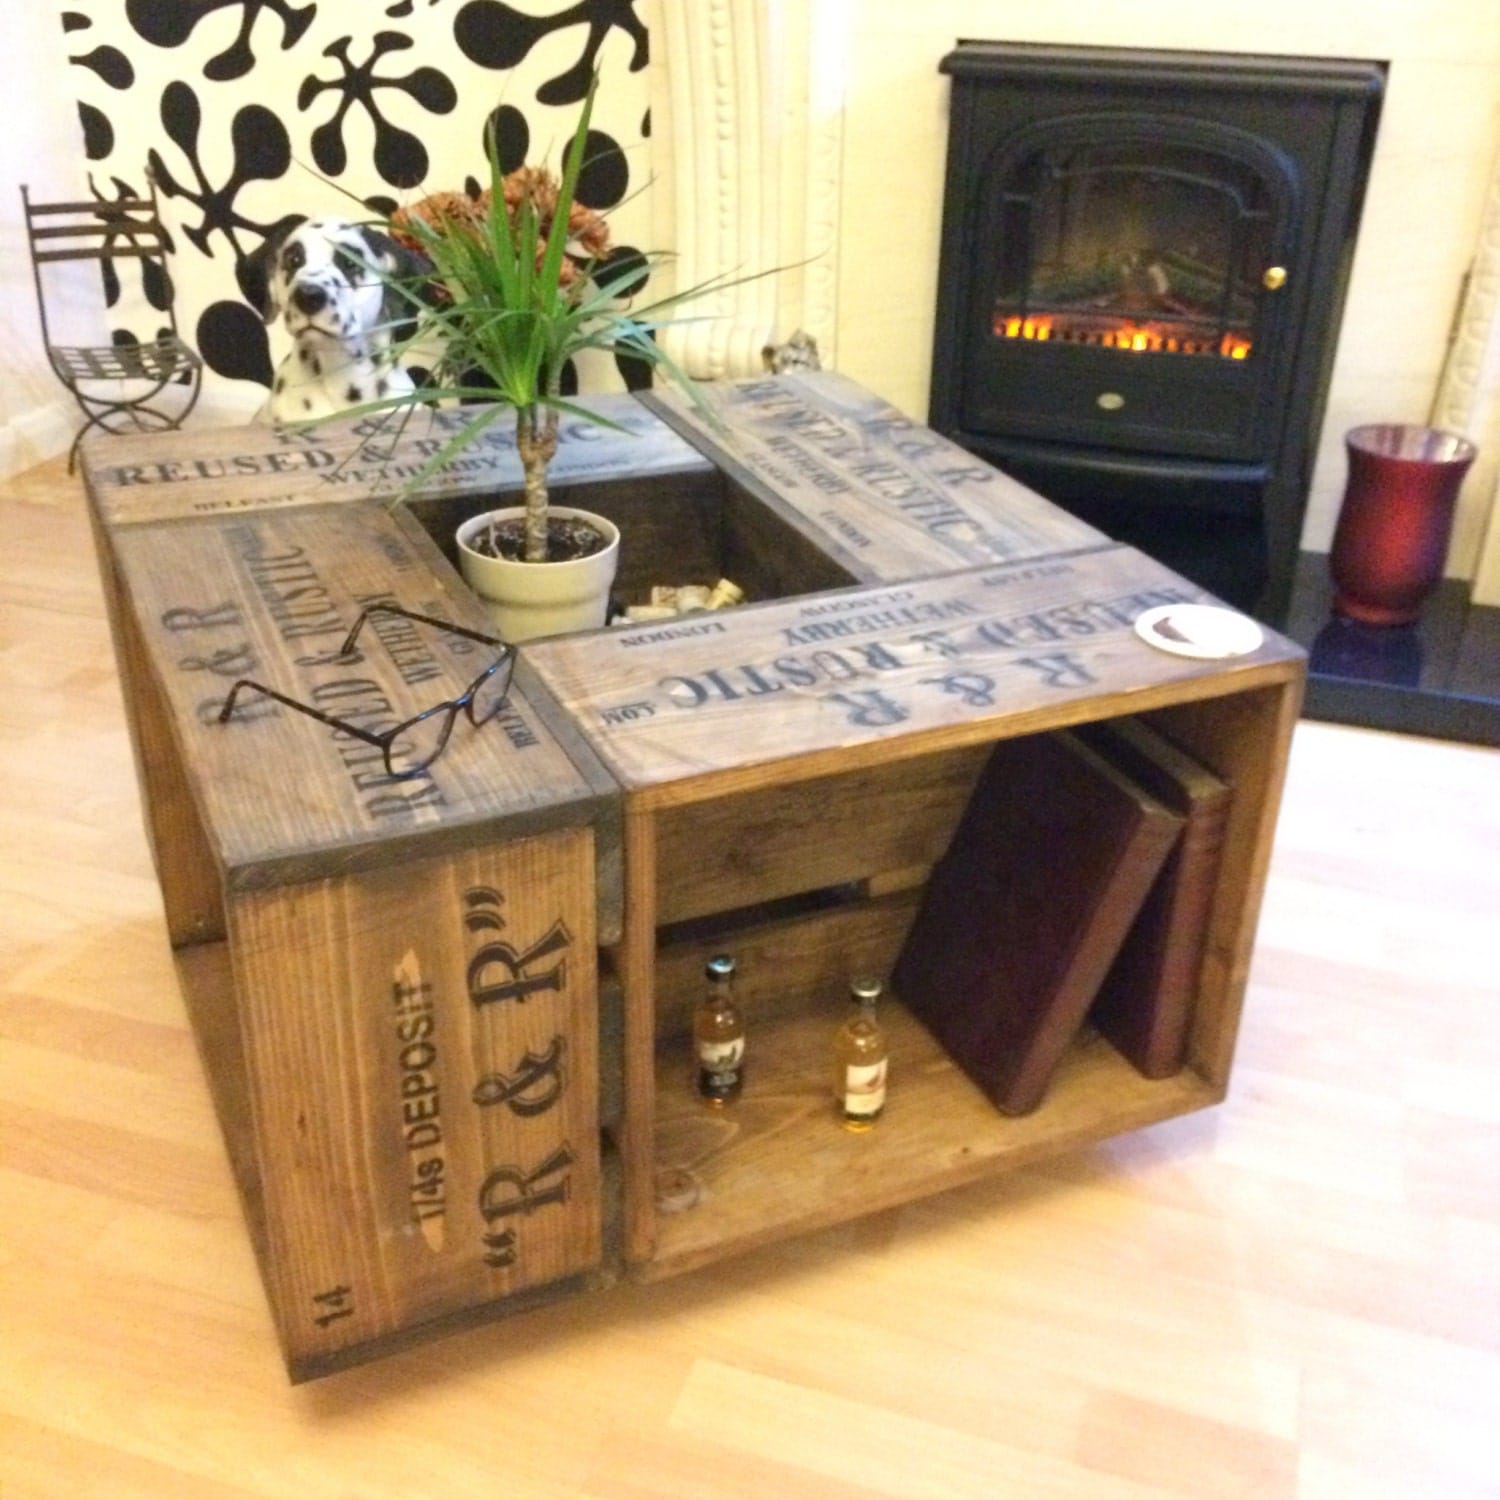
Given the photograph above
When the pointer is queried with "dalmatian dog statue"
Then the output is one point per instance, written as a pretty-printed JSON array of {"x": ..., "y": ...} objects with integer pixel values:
[{"x": 335, "y": 286}]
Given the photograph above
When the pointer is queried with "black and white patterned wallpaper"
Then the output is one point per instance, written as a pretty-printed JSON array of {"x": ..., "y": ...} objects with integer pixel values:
[{"x": 245, "y": 111}]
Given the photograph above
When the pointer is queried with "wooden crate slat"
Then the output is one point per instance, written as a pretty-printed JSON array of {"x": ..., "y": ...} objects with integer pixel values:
[
  {"x": 716, "y": 702},
  {"x": 797, "y": 836},
  {"x": 420, "y": 1054},
  {"x": 885, "y": 496},
  {"x": 1246, "y": 739},
  {"x": 637, "y": 977}
]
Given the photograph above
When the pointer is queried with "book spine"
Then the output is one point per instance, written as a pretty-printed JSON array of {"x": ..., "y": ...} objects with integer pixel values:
[{"x": 1194, "y": 881}]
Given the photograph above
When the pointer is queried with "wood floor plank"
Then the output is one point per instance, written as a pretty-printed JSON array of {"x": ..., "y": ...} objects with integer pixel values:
[{"x": 1292, "y": 1294}]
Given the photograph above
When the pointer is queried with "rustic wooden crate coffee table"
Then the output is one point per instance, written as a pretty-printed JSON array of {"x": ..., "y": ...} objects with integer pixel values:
[{"x": 445, "y": 1019}]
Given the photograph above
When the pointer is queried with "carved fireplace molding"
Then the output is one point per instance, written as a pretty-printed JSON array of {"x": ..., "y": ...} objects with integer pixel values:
[
  {"x": 1468, "y": 401},
  {"x": 747, "y": 138}
]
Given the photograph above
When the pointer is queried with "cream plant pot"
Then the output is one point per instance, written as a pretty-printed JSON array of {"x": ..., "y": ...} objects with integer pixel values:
[{"x": 526, "y": 600}]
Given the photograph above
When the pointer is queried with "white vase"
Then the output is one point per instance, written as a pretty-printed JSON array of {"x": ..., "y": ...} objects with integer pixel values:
[{"x": 526, "y": 600}]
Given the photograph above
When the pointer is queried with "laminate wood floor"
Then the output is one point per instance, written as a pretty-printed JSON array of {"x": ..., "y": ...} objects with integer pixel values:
[{"x": 1295, "y": 1294}]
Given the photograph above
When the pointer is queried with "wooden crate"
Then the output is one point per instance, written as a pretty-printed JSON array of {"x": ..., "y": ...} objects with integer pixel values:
[
  {"x": 394, "y": 983},
  {"x": 417, "y": 1144},
  {"x": 878, "y": 494},
  {"x": 791, "y": 772}
]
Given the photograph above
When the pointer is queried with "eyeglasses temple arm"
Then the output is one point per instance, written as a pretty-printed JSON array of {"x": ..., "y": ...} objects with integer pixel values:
[
  {"x": 302, "y": 708},
  {"x": 411, "y": 614}
]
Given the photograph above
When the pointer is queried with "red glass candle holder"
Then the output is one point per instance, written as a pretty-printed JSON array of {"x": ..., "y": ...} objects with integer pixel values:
[{"x": 1397, "y": 517}]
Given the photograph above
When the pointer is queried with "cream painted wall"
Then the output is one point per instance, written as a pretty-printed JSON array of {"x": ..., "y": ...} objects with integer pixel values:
[
  {"x": 37, "y": 418},
  {"x": 1439, "y": 132}
]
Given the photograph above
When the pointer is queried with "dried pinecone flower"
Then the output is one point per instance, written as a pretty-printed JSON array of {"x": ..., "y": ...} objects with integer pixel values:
[
  {"x": 440, "y": 211},
  {"x": 588, "y": 233},
  {"x": 534, "y": 185}
]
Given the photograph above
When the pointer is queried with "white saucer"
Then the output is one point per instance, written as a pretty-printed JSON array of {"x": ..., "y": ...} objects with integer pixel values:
[{"x": 1201, "y": 630}]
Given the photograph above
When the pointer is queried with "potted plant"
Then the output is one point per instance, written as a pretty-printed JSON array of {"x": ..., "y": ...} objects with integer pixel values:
[{"x": 516, "y": 292}]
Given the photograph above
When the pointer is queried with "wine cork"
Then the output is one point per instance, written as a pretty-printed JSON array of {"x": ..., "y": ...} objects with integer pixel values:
[{"x": 676, "y": 1189}]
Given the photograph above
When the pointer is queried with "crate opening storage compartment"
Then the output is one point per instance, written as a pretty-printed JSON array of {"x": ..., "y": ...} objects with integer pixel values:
[
  {"x": 446, "y": 1022},
  {"x": 776, "y": 1161},
  {"x": 682, "y": 519}
]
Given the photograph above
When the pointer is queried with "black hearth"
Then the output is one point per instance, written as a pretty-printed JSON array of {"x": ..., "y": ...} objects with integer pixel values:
[{"x": 1143, "y": 263}]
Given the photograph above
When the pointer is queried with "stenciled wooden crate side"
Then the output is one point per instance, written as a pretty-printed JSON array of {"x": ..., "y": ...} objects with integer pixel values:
[
  {"x": 715, "y": 705},
  {"x": 706, "y": 718},
  {"x": 886, "y": 498},
  {"x": 779, "y": 1165},
  {"x": 283, "y": 796},
  {"x": 229, "y": 471},
  {"x": 421, "y": 1057}
]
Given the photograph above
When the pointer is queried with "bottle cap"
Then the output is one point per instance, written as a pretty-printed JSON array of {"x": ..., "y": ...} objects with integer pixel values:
[
  {"x": 720, "y": 968},
  {"x": 865, "y": 990}
]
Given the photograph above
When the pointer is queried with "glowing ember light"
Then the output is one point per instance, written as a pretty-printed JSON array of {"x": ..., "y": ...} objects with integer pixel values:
[{"x": 1114, "y": 333}]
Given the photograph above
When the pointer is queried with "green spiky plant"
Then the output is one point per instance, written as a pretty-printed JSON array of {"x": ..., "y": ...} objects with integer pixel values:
[{"x": 516, "y": 305}]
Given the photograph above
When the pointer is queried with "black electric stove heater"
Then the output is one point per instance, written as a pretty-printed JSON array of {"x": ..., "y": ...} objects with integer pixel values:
[{"x": 1143, "y": 264}]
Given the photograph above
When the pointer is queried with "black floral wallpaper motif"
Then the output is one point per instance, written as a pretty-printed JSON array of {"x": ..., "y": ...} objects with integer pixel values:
[
  {"x": 400, "y": 157},
  {"x": 498, "y": 36},
  {"x": 246, "y": 111},
  {"x": 170, "y": 23},
  {"x": 262, "y": 150}
]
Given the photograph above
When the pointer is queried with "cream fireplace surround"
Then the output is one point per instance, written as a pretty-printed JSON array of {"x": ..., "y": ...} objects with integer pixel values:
[{"x": 812, "y": 135}]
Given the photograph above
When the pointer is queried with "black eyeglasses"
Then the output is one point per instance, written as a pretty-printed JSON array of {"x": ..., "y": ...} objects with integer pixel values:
[{"x": 414, "y": 744}]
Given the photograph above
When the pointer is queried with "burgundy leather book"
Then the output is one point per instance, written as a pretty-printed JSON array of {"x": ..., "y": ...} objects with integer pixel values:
[
  {"x": 1026, "y": 911},
  {"x": 1145, "y": 1004}
]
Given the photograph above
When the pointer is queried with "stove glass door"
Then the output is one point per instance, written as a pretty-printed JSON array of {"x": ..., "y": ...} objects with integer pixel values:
[{"x": 1158, "y": 248}]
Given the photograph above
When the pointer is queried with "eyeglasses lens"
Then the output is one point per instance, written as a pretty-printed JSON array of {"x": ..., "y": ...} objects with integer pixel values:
[
  {"x": 419, "y": 741},
  {"x": 489, "y": 695}
]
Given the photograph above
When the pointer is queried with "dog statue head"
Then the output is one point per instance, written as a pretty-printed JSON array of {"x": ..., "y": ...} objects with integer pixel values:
[
  {"x": 329, "y": 276},
  {"x": 341, "y": 290}
]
